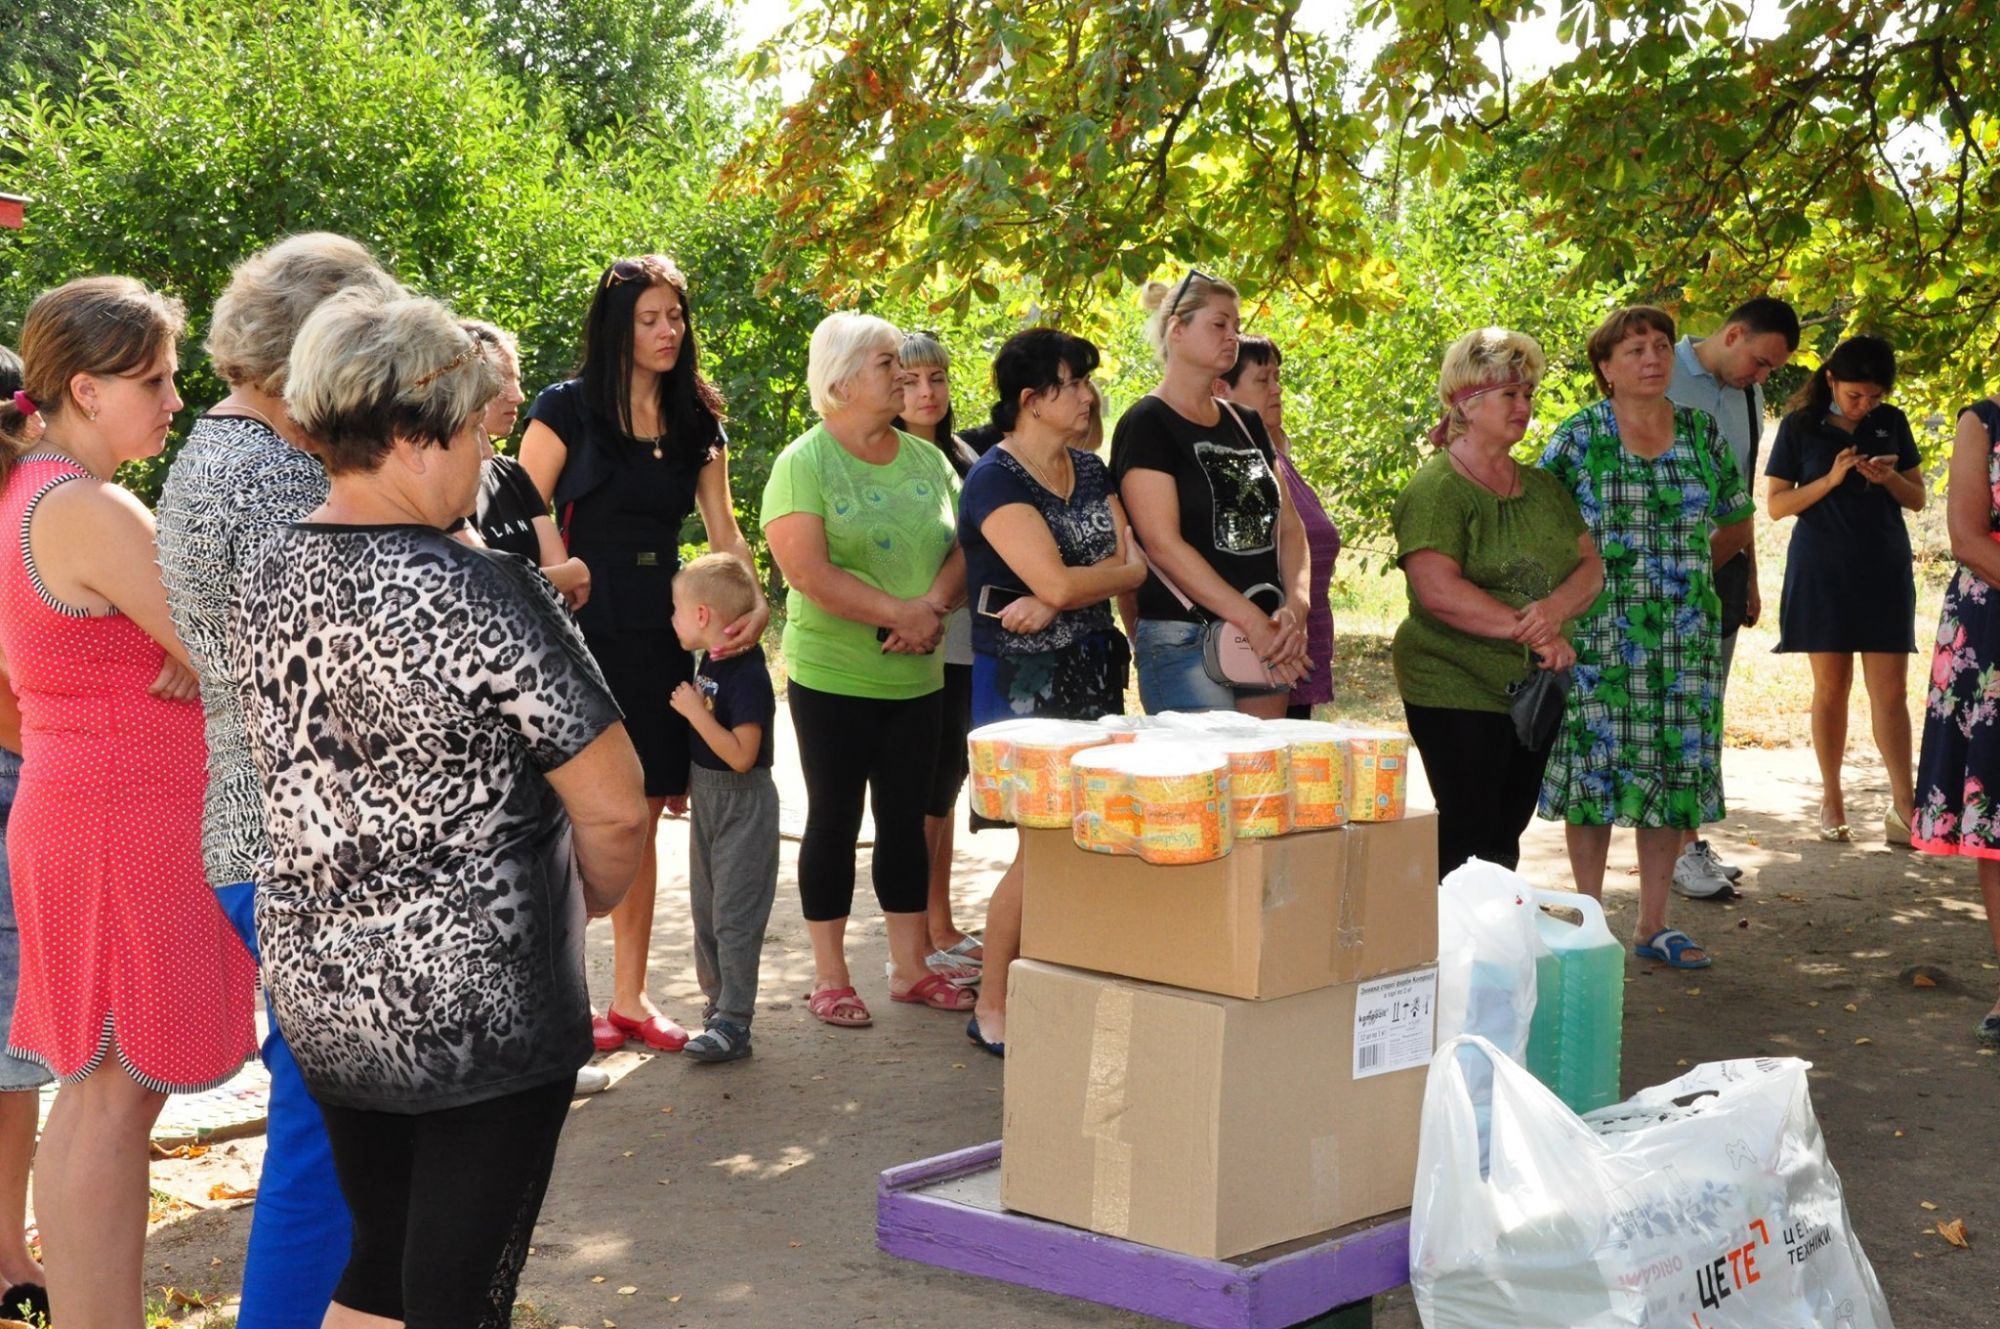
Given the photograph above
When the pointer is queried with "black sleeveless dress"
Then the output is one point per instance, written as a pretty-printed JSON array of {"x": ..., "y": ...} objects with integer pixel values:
[{"x": 621, "y": 511}]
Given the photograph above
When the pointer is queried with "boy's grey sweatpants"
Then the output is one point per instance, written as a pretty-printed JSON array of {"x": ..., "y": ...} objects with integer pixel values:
[{"x": 732, "y": 879}]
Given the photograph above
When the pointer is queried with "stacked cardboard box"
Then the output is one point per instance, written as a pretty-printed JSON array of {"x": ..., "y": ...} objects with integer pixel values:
[{"x": 1219, "y": 1057}]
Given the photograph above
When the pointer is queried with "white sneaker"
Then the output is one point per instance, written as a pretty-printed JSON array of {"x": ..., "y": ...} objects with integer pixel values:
[
  {"x": 1699, "y": 874},
  {"x": 1729, "y": 870},
  {"x": 591, "y": 1080}
]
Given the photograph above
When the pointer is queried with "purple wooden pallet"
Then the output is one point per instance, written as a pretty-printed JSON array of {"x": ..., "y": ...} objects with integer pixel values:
[{"x": 1268, "y": 1289}]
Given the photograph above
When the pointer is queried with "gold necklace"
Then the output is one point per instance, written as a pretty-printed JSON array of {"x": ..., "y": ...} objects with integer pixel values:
[{"x": 1059, "y": 491}]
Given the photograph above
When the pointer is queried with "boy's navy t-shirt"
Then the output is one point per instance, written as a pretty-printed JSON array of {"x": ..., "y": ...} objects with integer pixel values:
[{"x": 739, "y": 692}]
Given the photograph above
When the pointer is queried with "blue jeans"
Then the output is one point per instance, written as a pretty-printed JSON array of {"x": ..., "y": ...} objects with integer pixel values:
[
  {"x": 299, "y": 1231},
  {"x": 1171, "y": 674}
]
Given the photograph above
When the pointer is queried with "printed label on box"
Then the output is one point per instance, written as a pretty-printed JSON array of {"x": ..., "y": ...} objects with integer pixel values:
[{"x": 1394, "y": 1018}]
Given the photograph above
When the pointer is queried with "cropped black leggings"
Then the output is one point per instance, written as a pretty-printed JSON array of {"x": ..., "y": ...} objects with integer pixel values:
[
  {"x": 444, "y": 1204},
  {"x": 1484, "y": 781},
  {"x": 848, "y": 747}
]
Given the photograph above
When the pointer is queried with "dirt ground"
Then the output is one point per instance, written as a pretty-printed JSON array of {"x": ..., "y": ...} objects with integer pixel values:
[{"x": 743, "y": 1195}]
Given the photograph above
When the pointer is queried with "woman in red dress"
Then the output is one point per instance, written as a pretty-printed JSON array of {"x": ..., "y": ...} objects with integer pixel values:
[{"x": 133, "y": 986}]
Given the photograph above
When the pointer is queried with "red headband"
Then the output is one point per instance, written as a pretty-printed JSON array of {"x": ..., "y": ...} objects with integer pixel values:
[{"x": 1441, "y": 431}]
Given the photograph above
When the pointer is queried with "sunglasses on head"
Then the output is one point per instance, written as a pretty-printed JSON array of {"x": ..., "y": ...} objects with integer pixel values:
[
  {"x": 646, "y": 268},
  {"x": 1174, "y": 305}
]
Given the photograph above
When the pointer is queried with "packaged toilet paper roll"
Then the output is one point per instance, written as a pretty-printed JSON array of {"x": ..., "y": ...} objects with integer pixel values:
[
  {"x": 1319, "y": 773},
  {"x": 1260, "y": 782},
  {"x": 1166, "y": 803},
  {"x": 1378, "y": 774},
  {"x": 1020, "y": 769}
]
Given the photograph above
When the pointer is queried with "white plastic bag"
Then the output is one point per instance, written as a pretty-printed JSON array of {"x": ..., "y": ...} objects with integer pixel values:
[
  {"x": 1487, "y": 946},
  {"x": 1706, "y": 1203}
]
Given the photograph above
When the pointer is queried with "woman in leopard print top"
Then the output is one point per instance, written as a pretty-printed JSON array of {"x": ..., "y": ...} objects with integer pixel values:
[{"x": 448, "y": 788}]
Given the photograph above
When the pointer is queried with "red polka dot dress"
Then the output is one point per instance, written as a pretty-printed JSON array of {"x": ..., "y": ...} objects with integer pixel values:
[{"x": 124, "y": 950}]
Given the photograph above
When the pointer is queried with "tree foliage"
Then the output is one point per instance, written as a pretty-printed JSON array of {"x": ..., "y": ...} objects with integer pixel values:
[
  {"x": 201, "y": 130},
  {"x": 1846, "y": 161}
]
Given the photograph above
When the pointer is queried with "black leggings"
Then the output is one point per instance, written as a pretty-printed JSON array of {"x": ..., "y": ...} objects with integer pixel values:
[
  {"x": 1484, "y": 781},
  {"x": 444, "y": 1204},
  {"x": 850, "y": 746},
  {"x": 955, "y": 722}
]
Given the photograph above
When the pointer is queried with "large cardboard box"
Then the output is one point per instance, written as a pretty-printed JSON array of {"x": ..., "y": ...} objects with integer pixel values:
[
  {"x": 1206, "y": 1124},
  {"x": 1272, "y": 918}
]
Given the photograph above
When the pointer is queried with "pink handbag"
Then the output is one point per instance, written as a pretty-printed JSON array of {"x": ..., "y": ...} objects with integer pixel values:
[{"x": 1226, "y": 653}]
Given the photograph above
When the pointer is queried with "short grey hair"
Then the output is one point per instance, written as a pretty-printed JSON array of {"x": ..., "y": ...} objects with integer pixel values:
[
  {"x": 366, "y": 371},
  {"x": 841, "y": 345},
  {"x": 271, "y": 293}
]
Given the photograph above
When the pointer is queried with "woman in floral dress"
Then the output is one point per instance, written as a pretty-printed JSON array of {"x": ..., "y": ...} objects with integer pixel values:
[
  {"x": 1641, "y": 745},
  {"x": 1961, "y": 752}
]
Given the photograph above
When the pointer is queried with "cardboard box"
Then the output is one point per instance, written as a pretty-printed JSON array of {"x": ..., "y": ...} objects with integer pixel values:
[
  {"x": 1273, "y": 918},
  {"x": 1210, "y": 1125}
]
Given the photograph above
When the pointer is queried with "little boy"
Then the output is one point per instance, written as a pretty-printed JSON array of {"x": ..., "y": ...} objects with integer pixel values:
[{"x": 733, "y": 804}]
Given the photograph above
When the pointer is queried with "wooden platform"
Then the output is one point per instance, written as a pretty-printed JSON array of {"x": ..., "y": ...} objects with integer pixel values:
[{"x": 946, "y": 1211}]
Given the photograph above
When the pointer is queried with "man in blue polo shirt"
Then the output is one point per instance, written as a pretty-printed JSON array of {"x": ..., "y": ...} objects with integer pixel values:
[{"x": 1724, "y": 375}]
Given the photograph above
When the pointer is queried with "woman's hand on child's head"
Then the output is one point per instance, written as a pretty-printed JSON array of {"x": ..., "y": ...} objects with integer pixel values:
[
  {"x": 744, "y": 633},
  {"x": 688, "y": 701}
]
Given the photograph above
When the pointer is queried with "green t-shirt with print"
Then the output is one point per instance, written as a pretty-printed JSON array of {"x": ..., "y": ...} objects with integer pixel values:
[
  {"x": 1516, "y": 549},
  {"x": 891, "y": 526}
]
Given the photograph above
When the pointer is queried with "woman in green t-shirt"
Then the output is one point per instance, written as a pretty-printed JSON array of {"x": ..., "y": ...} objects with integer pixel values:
[
  {"x": 1498, "y": 562},
  {"x": 861, "y": 518}
]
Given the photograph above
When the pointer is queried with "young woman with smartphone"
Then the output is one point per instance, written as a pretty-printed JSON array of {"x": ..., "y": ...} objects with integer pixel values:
[{"x": 1845, "y": 464}]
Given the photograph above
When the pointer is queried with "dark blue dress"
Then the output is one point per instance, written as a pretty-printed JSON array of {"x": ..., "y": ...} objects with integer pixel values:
[{"x": 1849, "y": 582}]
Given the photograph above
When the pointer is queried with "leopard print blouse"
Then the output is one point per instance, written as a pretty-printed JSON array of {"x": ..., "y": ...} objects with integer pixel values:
[{"x": 422, "y": 935}]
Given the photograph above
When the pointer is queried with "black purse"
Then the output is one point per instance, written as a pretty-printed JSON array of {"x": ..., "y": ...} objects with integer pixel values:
[{"x": 1536, "y": 703}]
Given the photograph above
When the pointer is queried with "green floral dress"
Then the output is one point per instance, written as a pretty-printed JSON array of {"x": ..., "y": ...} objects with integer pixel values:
[{"x": 1641, "y": 745}]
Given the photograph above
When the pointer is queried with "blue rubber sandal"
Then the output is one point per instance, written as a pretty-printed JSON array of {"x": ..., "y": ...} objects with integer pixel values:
[{"x": 1669, "y": 946}]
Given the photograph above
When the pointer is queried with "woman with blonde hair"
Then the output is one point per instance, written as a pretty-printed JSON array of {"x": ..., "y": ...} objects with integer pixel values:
[
  {"x": 132, "y": 984},
  {"x": 238, "y": 476},
  {"x": 1641, "y": 743},
  {"x": 1499, "y": 565},
  {"x": 861, "y": 519},
  {"x": 512, "y": 515},
  {"x": 1198, "y": 478}
]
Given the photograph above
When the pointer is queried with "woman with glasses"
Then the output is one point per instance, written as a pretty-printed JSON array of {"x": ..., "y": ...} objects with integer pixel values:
[
  {"x": 1499, "y": 565},
  {"x": 626, "y": 450},
  {"x": 1046, "y": 550},
  {"x": 1198, "y": 477}
]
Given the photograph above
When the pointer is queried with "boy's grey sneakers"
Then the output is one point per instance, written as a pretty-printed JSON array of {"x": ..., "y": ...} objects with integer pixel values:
[
  {"x": 1700, "y": 875},
  {"x": 721, "y": 1041},
  {"x": 591, "y": 1080}
]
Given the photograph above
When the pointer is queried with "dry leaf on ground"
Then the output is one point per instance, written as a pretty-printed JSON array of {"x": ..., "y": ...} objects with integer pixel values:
[
  {"x": 1954, "y": 1232},
  {"x": 222, "y": 1191}
]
